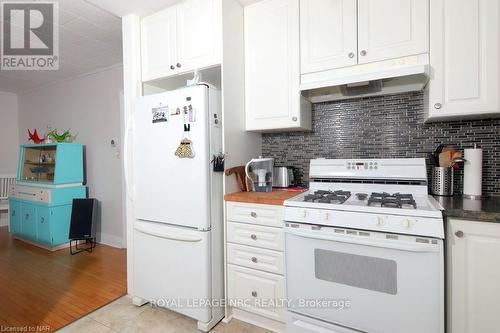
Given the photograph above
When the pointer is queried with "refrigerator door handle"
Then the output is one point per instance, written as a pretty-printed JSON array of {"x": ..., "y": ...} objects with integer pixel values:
[
  {"x": 128, "y": 129},
  {"x": 176, "y": 237}
]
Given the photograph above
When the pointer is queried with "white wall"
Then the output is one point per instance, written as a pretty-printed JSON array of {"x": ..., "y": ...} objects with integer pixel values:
[
  {"x": 9, "y": 133},
  {"x": 9, "y": 136},
  {"x": 90, "y": 106}
]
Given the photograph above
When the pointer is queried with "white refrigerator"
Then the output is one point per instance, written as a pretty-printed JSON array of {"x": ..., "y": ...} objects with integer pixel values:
[{"x": 178, "y": 202}]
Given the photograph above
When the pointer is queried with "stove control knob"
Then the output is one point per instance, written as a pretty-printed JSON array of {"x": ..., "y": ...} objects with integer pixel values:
[
  {"x": 380, "y": 220},
  {"x": 305, "y": 214},
  {"x": 327, "y": 216},
  {"x": 407, "y": 223}
]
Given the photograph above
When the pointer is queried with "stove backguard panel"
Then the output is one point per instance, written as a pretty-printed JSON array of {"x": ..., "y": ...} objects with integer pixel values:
[{"x": 389, "y": 126}]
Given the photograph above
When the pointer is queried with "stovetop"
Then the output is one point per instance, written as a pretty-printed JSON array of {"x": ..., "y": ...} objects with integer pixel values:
[
  {"x": 369, "y": 201},
  {"x": 374, "y": 199}
]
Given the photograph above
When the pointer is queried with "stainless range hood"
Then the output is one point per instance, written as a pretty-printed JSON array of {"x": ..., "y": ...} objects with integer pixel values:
[{"x": 380, "y": 78}]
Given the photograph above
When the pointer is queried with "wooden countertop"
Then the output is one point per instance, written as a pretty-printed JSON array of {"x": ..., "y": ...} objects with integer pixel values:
[{"x": 276, "y": 197}]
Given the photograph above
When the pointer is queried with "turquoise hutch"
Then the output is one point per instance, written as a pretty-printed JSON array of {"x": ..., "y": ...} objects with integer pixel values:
[{"x": 49, "y": 177}]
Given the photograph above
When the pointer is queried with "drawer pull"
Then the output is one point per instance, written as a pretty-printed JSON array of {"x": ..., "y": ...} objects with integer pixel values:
[
  {"x": 253, "y": 214},
  {"x": 253, "y": 236},
  {"x": 13, "y": 213},
  {"x": 254, "y": 259},
  {"x": 254, "y": 293}
]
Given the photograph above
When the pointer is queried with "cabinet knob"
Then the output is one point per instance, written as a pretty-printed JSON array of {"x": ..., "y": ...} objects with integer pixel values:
[
  {"x": 254, "y": 293},
  {"x": 27, "y": 216},
  {"x": 459, "y": 234},
  {"x": 13, "y": 213},
  {"x": 351, "y": 55},
  {"x": 178, "y": 65},
  {"x": 437, "y": 106},
  {"x": 253, "y": 236},
  {"x": 294, "y": 118},
  {"x": 42, "y": 220},
  {"x": 363, "y": 53},
  {"x": 253, "y": 214},
  {"x": 254, "y": 259},
  {"x": 172, "y": 67}
]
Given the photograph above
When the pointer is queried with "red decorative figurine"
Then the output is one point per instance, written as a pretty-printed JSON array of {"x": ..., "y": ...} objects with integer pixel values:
[{"x": 34, "y": 137}]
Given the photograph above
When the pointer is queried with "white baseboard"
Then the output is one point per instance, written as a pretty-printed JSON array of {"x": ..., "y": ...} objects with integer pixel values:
[{"x": 110, "y": 240}]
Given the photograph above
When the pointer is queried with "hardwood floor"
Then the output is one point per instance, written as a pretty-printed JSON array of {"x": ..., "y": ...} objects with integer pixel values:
[{"x": 47, "y": 290}]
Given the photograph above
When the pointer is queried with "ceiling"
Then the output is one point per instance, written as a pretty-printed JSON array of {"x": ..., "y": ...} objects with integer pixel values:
[
  {"x": 89, "y": 40},
  {"x": 125, "y": 7}
]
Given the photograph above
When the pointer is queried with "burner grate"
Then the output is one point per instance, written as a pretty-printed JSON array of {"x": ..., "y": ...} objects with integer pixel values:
[
  {"x": 396, "y": 200},
  {"x": 334, "y": 197}
]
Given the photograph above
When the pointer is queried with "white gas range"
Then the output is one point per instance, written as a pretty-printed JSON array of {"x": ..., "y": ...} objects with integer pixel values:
[{"x": 367, "y": 234}]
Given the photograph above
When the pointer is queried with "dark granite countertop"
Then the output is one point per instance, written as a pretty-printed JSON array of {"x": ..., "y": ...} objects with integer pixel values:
[{"x": 486, "y": 209}]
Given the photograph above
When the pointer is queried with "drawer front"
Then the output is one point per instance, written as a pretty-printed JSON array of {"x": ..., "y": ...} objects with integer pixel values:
[
  {"x": 256, "y": 258},
  {"x": 267, "y": 215},
  {"x": 255, "y": 289},
  {"x": 31, "y": 193},
  {"x": 255, "y": 235}
]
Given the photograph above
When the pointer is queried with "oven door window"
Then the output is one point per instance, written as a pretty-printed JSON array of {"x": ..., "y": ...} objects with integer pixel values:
[{"x": 354, "y": 270}]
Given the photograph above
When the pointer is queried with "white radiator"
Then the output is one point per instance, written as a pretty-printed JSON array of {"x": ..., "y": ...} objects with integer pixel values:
[{"x": 5, "y": 183}]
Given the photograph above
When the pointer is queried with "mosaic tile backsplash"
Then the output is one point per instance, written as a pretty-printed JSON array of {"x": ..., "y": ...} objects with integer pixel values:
[{"x": 384, "y": 127}]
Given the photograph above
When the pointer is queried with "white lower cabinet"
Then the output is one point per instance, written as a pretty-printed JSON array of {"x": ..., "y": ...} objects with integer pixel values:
[
  {"x": 258, "y": 290},
  {"x": 256, "y": 264},
  {"x": 252, "y": 257},
  {"x": 473, "y": 262},
  {"x": 255, "y": 235}
]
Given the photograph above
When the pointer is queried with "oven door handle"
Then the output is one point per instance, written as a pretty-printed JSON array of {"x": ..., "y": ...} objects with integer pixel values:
[{"x": 390, "y": 244}]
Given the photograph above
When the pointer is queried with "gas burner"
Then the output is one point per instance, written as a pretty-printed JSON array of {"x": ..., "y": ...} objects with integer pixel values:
[
  {"x": 396, "y": 200},
  {"x": 362, "y": 196},
  {"x": 312, "y": 197},
  {"x": 334, "y": 197}
]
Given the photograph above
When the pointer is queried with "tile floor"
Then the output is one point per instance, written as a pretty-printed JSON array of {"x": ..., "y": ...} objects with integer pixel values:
[{"x": 123, "y": 317}]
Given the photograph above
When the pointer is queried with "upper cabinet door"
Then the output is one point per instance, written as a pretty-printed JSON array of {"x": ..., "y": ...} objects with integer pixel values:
[
  {"x": 199, "y": 34},
  {"x": 272, "y": 66},
  {"x": 464, "y": 57},
  {"x": 158, "y": 44},
  {"x": 389, "y": 29},
  {"x": 328, "y": 34}
]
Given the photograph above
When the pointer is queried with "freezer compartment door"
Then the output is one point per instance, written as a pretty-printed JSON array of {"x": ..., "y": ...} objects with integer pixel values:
[
  {"x": 172, "y": 268},
  {"x": 168, "y": 188}
]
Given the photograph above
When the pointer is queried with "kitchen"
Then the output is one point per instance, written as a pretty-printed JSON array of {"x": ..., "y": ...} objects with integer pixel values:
[
  {"x": 309, "y": 166},
  {"x": 355, "y": 100}
]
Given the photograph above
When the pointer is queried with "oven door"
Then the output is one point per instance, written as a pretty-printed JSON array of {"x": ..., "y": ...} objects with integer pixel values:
[{"x": 368, "y": 281}]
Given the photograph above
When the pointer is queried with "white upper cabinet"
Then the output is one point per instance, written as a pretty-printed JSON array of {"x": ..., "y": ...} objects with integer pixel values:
[
  {"x": 342, "y": 33},
  {"x": 181, "y": 39},
  {"x": 389, "y": 29},
  {"x": 328, "y": 34},
  {"x": 272, "y": 67},
  {"x": 199, "y": 33},
  {"x": 157, "y": 38},
  {"x": 464, "y": 57},
  {"x": 473, "y": 264}
]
